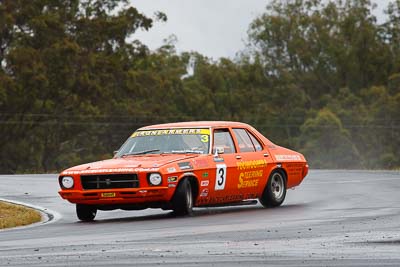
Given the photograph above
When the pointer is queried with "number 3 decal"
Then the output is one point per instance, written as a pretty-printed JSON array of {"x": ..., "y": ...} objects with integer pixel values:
[{"x": 220, "y": 177}]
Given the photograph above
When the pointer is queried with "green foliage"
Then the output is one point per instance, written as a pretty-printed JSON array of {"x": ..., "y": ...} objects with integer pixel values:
[
  {"x": 326, "y": 143},
  {"x": 63, "y": 68},
  {"x": 338, "y": 56},
  {"x": 319, "y": 76}
]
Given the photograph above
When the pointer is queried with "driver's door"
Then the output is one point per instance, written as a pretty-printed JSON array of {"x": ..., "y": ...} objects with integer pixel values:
[{"x": 223, "y": 184}]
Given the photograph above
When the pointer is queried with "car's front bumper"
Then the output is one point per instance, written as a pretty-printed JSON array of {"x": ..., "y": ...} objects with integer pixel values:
[{"x": 117, "y": 196}]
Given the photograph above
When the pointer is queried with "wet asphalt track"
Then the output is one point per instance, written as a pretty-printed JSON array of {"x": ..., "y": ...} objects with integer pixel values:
[{"x": 335, "y": 218}]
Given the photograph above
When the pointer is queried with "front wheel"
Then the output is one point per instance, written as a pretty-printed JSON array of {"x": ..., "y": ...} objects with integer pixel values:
[
  {"x": 85, "y": 213},
  {"x": 182, "y": 201},
  {"x": 275, "y": 192}
]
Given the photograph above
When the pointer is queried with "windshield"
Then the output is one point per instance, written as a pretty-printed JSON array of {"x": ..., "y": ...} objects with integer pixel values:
[{"x": 175, "y": 141}]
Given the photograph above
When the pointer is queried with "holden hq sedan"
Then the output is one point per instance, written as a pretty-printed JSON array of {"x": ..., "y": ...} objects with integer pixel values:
[{"x": 178, "y": 166}]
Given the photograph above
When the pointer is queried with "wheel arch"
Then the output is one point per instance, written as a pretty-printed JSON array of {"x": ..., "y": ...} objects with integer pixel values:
[
  {"x": 267, "y": 198},
  {"x": 279, "y": 168},
  {"x": 194, "y": 182}
]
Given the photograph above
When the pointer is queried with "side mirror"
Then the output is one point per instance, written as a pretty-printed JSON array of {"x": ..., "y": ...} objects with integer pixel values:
[
  {"x": 115, "y": 152},
  {"x": 218, "y": 150}
]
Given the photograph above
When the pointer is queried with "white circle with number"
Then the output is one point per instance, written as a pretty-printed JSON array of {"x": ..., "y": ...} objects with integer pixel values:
[{"x": 220, "y": 178}]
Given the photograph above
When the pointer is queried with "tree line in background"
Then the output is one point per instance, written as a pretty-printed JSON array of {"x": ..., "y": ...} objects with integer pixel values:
[{"x": 321, "y": 77}]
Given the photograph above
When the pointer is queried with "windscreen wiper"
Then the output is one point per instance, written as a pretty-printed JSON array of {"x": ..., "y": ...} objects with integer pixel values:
[
  {"x": 141, "y": 152},
  {"x": 186, "y": 151}
]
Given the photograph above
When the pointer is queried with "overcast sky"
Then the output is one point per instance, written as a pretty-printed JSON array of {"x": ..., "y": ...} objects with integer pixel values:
[{"x": 215, "y": 28}]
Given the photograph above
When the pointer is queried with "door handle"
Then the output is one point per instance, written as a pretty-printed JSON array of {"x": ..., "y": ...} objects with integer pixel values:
[
  {"x": 238, "y": 157},
  {"x": 266, "y": 154}
]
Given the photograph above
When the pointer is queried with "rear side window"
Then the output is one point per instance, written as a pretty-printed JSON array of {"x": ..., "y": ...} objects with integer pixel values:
[
  {"x": 244, "y": 141},
  {"x": 256, "y": 144},
  {"x": 247, "y": 142}
]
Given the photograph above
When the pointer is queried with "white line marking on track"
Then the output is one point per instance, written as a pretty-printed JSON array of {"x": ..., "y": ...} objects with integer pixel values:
[
  {"x": 353, "y": 181},
  {"x": 48, "y": 216}
]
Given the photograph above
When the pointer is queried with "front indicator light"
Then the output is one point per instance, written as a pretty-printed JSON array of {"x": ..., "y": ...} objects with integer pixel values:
[
  {"x": 155, "y": 179},
  {"x": 67, "y": 182}
]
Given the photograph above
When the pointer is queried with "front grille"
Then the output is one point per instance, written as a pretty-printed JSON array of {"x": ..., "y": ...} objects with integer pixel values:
[{"x": 109, "y": 181}]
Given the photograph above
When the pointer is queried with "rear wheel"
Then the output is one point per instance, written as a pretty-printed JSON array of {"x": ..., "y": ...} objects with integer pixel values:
[
  {"x": 182, "y": 201},
  {"x": 275, "y": 192},
  {"x": 85, "y": 213}
]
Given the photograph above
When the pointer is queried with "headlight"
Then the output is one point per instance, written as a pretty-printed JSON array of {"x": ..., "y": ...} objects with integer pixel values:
[
  {"x": 155, "y": 179},
  {"x": 67, "y": 182}
]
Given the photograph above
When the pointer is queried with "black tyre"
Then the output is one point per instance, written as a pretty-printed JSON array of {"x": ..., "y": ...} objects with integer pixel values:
[
  {"x": 182, "y": 202},
  {"x": 275, "y": 191},
  {"x": 85, "y": 213}
]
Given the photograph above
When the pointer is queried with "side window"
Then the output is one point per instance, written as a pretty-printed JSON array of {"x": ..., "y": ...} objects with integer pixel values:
[
  {"x": 222, "y": 138},
  {"x": 244, "y": 141},
  {"x": 247, "y": 142},
  {"x": 256, "y": 144}
]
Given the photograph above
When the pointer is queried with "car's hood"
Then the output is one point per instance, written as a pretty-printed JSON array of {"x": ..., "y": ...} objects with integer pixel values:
[{"x": 130, "y": 162}]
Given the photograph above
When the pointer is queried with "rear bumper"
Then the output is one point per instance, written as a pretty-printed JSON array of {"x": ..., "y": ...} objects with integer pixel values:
[
  {"x": 117, "y": 196},
  {"x": 305, "y": 170}
]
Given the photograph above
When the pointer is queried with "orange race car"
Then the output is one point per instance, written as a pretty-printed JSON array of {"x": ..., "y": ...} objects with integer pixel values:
[{"x": 178, "y": 166}]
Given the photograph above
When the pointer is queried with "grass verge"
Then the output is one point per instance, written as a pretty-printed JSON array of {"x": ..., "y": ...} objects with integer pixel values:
[{"x": 12, "y": 215}]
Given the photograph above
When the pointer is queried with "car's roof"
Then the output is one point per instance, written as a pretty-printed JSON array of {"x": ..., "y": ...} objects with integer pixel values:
[{"x": 197, "y": 124}]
